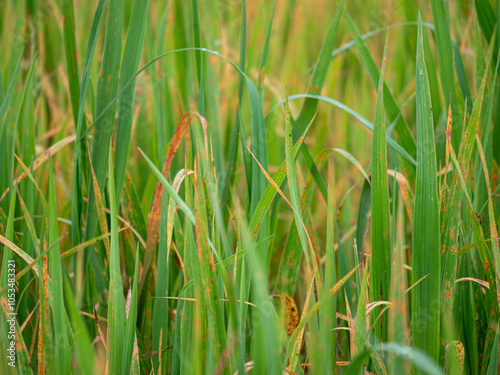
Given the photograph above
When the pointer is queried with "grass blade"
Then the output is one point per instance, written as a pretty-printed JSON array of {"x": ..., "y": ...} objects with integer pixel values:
[
  {"x": 445, "y": 60},
  {"x": 426, "y": 256},
  {"x": 381, "y": 221},
  {"x": 130, "y": 63},
  {"x": 116, "y": 304},
  {"x": 107, "y": 87},
  {"x": 62, "y": 349},
  {"x": 71, "y": 51}
]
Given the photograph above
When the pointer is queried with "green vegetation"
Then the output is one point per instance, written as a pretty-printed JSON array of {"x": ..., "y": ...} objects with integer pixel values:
[{"x": 223, "y": 187}]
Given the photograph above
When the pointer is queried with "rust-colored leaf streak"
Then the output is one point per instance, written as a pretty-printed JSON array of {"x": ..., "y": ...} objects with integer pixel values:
[{"x": 155, "y": 214}]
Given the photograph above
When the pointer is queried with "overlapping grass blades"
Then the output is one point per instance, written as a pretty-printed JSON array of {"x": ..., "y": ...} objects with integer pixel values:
[
  {"x": 401, "y": 129},
  {"x": 107, "y": 88},
  {"x": 183, "y": 262}
]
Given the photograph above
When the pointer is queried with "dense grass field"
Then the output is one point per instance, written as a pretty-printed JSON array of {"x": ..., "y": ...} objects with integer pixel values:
[{"x": 265, "y": 187}]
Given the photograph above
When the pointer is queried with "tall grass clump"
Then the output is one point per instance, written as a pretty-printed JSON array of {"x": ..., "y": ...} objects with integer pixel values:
[{"x": 185, "y": 187}]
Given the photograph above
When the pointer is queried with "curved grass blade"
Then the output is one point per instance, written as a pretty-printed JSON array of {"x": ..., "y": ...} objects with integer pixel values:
[
  {"x": 417, "y": 357},
  {"x": 353, "y": 160},
  {"x": 154, "y": 216},
  {"x": 304, "y": 238},
  {"x": 391, "y": 142},
  {"x": 44, "y": 156},
  {"x": 291, "y": 261},
  {"x": 401, "y": 128},
  {"x": 268, "y": 196},
  {"x": 318, "y": 77}
]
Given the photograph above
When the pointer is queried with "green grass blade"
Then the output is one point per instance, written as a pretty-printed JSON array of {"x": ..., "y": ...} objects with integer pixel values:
[
  {"x": 419, "y": 359},
  {"x": 426, "y": 255},
  {"x": 291, "y": 261},
  {"x": 170, "y": 190},
  {"x": 398, "y": 310},
  {"x": 327, "y": 324},
  {"x": 130, "y": 336},
  {"x": 7, "y": 261},
  {"x": 81, "y": 340},
  {"x": 486, "y": 17},
  {"x": 79, "y": 165},
  {"x": 295, "y": 198},
  {"x": 381, "y": 227},
  {"x": 160, "y": 306},
  {"x": 233, "y": 146},
  {"x": 116, "y": 303},
  {"x": 270, "y": 193},
  {"x": 62, "y": 349},
  {"x": 493, "y": 366},
  {"x": 71, "y": 51},
  {"x": 445, "y": 61},
  {"x": 265, "y": 53},
  {"x": 391, "y": 142},
  {"x": 130, "y": 63},
  {"x": 107, "y": 87},
  {"x": 266, "y": 341},
  {"x": 360, "y": 320},
  {"x": 8, "y": 96},
  {"x": 208, "y": 291}
]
